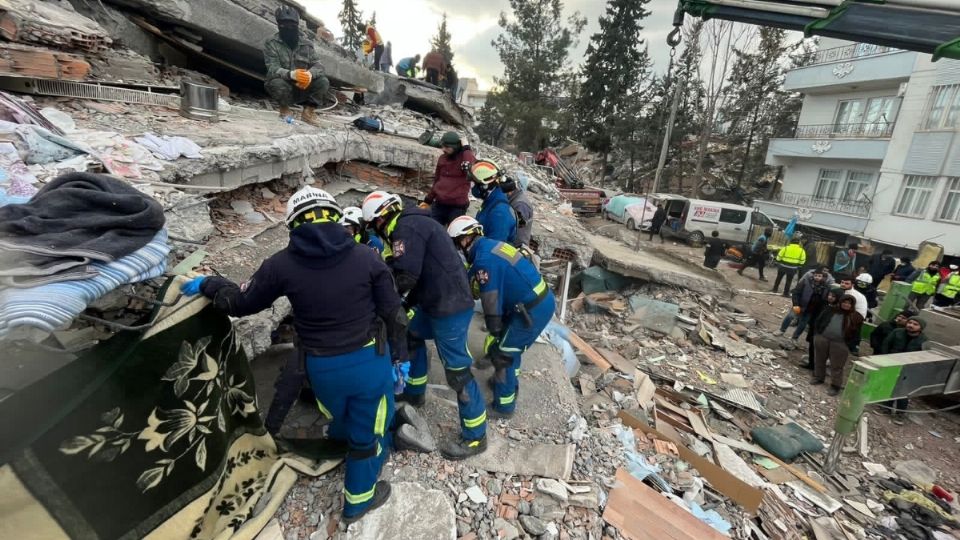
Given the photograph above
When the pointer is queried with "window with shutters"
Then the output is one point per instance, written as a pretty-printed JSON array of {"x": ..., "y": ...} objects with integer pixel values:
[{"x": 915, "y": 196}]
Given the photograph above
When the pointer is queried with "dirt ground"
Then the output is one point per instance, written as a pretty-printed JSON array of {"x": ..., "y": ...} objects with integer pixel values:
[{"x": 931, "y": 438}]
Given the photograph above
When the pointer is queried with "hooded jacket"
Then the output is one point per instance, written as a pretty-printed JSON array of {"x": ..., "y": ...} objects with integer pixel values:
[
  {"x": 807, "y": 288},
  {"x": 451, "y": 186},
  {"x": 337, "y": 289},
  {"x": 852, "y": 322}
]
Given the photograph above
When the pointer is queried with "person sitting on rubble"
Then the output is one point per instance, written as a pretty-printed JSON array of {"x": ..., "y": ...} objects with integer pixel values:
[
  {"x": 837, "y": 334},
  {"x": 435, "y": 67},
  {"x": 521, "y": 208},
  {"x": 812, "y": 287},
  {"x": 449, "y": 197},
  {"x": 714, "y": 250},
  {"x": 790, "y": 259},
  {"x": 294, "y": 73},
  {"x": 759, "y": 253},
  {"x": 496, "y": 215},
  {"x": 407, "y": 67},
  {"x": 947, "y": 296},
  {"x": 348, "y": 333},
  {"x": 910, "y": 338},
  {"x": 353, "y": 220},
  {"x": 517, "y": 305}
]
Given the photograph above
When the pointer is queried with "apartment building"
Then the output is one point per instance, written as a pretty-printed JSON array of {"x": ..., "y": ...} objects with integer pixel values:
[{"x": 876, "y": 153}]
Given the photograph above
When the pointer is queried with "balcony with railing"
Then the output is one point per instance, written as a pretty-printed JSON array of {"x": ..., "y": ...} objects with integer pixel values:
[
  {"x": 832, "y": 214},
  {"x": 848, "y": 52},
  {"x": 873, "y": 130}
]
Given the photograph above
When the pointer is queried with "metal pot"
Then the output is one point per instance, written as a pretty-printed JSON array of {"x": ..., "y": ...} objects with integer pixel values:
[{"x": 198, "y": 101}]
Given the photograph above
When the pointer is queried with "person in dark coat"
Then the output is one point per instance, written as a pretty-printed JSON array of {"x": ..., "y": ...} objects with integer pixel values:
[
  {"x": 816, "y": 307},
  {"x": 449, "y": 197},
  {"x": 838, "y": 333},
  {"x": 714, "y": 251},
  {"x": 910, "y": 338},
  {"x": 758, "y": 254},
  {"x": 904, "y": 270},
  {"x": 883, "y": 330},
  {"x": 656, "y": 224},
  {"x": 881, "y": 266}
]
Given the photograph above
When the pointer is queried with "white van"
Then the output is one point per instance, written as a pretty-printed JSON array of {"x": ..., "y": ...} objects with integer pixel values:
[{"x": 695, "y": 220}]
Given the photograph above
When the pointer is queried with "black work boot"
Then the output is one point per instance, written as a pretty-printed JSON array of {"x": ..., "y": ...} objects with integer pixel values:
[
  {"x": 463, "y": 448},
  {"x": 493, "y": 412},
  {"x": 380, "y": 496},
  {"x": 410, "y": 438},
  {"x": 416, "y": 401}
]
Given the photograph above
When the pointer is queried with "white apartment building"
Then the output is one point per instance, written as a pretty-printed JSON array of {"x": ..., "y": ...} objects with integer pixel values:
[
  {"x": 470, "y": 95},
  {"x": 876, "y": 153}
]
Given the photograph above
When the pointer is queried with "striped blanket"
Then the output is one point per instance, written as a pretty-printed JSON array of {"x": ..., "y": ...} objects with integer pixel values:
[{"x": 54, "y": 306}]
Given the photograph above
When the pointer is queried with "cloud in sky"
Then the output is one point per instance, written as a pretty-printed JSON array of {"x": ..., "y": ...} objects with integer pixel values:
[{"x": 409, "y": 25}]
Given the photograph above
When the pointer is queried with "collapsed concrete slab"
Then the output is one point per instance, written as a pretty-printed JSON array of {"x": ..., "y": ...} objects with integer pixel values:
[
  {"x": 412, "y": 512},
  {"x": 647, "y": 265}
]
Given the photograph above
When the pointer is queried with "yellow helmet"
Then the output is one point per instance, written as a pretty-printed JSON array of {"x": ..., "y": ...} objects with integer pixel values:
[{"x": 484, "y": 172}]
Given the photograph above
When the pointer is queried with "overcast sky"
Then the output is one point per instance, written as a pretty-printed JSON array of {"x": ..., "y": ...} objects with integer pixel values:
[{"x": 409, "y": 25}]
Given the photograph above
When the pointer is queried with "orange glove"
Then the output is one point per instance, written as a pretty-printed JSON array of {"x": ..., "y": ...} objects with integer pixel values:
[
  {"x": 796, "y": 309},
  {"x": 302, "y": 78},
  {"x": 425, "y": 205}
]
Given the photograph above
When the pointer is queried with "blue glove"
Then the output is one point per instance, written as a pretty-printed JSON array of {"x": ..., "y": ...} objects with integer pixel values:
[{"x": 192, "y": 287}]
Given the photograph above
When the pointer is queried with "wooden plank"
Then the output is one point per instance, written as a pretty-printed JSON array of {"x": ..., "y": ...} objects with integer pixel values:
[
  {"x": 739, "y": 491},
  {"x": 618, "y": 362},
  {"x": 640, "y": 513},
  {"x": 588, "y": 351},
  {"x": 645, "y": 388},
  {"x": 699, "y": 425}
]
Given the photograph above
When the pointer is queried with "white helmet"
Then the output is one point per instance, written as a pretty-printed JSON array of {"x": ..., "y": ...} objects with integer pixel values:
[
  {"x": 464, "y": 225},
  {"x": 310, "y": 198},
  {"x": 865, "y": 278},
  {"x": 379, "y": 204},
  {"x": 352, "y": 215}
]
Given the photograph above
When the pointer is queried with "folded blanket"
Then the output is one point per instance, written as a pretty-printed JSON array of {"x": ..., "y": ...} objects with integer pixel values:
[
  {"x": 54, "y": 306},
  {"x": 76, "y": 219}
]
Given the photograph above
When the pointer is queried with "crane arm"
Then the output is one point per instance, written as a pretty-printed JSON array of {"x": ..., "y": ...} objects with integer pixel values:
[{"x": 927, "y": 26}]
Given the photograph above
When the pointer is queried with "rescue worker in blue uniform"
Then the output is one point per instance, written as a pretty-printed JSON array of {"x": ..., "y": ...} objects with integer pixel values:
[
  {"x": 497, "y": 217},
  {"x": 343, "y": 330},
  {"x": 517, "y": 305},
  {"x": 431, "y": 278},
  {"x": 353, "y": 220}
]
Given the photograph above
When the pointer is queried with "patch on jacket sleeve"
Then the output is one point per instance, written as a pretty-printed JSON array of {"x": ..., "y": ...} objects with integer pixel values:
[
  {"x": 398, "y": 248},
  {"x": 483, "y": 277}
]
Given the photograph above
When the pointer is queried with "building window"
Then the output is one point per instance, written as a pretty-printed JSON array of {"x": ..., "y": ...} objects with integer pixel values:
[
  {"x": 951, "y": 201},
  {"x": 857, "y": 183},
  {"x": 871, "y": 117},
  {"x": 915, "y": 196},
  {"x": 943, "y": 111},
  {"x": 829, "y": 184}
]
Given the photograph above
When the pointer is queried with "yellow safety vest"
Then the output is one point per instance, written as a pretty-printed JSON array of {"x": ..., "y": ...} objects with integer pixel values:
[
  {"x": 925, "y": 283},
  {"x": 952, "y": 287},
  {"x": 793, "y": 254}
]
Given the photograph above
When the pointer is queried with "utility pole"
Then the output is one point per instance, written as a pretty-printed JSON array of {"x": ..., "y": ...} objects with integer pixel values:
[{"x": 668, "y": 133}]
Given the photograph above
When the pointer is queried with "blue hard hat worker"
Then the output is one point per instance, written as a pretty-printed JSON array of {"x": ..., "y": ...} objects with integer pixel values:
[
  {"x": 431, "y": 278},
  {"x": 343, "y": 330},
  {"x": 517, "y": 305},
  {"x": 497, "y": 217}
]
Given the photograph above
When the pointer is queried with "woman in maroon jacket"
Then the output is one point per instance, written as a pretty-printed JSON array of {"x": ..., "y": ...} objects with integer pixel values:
[{"x": 449, "y": 196}]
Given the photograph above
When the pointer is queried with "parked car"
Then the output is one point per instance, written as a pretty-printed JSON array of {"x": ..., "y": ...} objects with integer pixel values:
[
  {"x": 634, "y": 211},
  {"x": 695, "y": 219}
]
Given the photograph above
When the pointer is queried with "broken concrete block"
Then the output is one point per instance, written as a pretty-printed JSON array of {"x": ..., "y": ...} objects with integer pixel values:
[
  {"x": 654, "y": 314},
  {"x": 552, "y": 488},
  {"x": 533, "y": 525},
  {"x": 412, "y": 513},
  {"x": 505, "y": 529},
  {"x": 590, "y": 499}
]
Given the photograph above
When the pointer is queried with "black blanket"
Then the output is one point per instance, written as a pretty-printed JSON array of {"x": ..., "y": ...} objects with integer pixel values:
[{"x": 76, "y": 219}]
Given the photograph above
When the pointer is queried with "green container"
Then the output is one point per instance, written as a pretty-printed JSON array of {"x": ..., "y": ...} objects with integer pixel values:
[{"x": 895, "y": 300}]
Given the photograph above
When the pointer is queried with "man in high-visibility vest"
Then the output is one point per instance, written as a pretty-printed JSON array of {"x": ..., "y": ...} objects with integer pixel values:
[
  {"x": 951, "y": 286},
  {"x": 790, "y": 259},
  {"x": 924, "y": 284}
]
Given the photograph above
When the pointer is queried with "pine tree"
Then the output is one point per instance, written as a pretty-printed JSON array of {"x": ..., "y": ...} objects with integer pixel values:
[
  {"x": 373, "y": 19},
  {"x": 351, "y": 20},
  {"x": 616, "y": 66},
  {"x": 534, "y": 49},
  {"x": 441, "y": 41}
]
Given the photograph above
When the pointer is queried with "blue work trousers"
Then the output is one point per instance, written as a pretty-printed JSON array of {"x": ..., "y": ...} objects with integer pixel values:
[
  {"x": 517, "y": 338},
  {"x": 450, "y": 335},
  {"x": 355, "y": 391}
]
